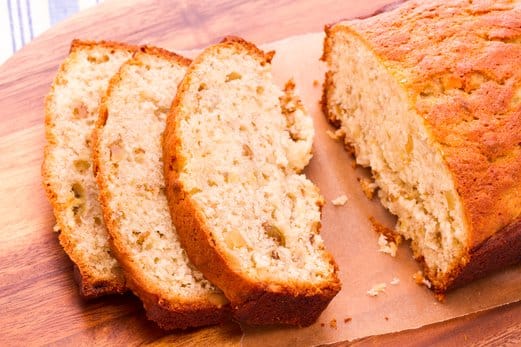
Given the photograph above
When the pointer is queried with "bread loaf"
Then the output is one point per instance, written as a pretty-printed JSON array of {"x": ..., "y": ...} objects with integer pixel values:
[
  {"x": 428, "y": 96},
  {"x": 233, "y": 149},
  {"x": 128, "y": 162},
  {"x": 71, "y": 111}
]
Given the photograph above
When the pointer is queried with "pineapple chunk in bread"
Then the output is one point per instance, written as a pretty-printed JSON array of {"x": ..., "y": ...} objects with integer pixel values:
[
  {"x": 71, "y": 112},
  {"x": 428, "y": 97},
  {"x": 128, "y": 162},
  {"x": 233, "y": 149}
]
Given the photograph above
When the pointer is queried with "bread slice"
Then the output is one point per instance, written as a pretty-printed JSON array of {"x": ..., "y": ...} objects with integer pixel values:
[
  {"x": 234, "y": 144},
  {"x": 71, "y": 110},
  {"x": 437, "y": 118},
  {"x": 128, "y": 162}
]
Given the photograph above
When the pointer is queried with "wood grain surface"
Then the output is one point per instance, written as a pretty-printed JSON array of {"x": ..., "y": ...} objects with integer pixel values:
[{"x": 38, "y": 298}]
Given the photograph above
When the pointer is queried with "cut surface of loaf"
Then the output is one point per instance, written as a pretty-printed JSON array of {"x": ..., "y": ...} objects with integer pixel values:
[
  {"x": 71, "y": 112},
  {"x": 129, "y": 166},
  {"x": 233, "y": 149},
  {"x": 437, "y": 117}
]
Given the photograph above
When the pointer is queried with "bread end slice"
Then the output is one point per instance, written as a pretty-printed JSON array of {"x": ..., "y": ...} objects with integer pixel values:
[
  {"x": 71, "y": 109},
  {"x": 233, "y": 149}
]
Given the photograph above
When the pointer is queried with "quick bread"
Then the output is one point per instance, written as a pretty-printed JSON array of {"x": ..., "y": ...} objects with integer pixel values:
[
  {"x": 428, "y": 96},
  {"x": 233, "y": 148},
  {"x": 71, "y": 110},
  {"x": 129, "y": 172}
]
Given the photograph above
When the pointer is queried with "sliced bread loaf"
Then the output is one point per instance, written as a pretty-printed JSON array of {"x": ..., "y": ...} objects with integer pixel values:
[
  {"x": 233, "y": 147},
  {"x": 438, "y": 119},
  {"x": 129, "y": 171},
  {"x": 71, "y": 112}
]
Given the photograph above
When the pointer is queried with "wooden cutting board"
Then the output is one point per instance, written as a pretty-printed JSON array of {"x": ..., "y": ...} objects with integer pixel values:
[{"x": 38, "y": 297}]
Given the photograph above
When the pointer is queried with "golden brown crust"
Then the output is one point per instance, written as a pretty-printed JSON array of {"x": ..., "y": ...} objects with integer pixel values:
[
  {"x": 89, "y": 285},
  {"x": 252, "y": 302},
  {"x": 462, "y": 79},
  {"x": 168, "y": 314}
]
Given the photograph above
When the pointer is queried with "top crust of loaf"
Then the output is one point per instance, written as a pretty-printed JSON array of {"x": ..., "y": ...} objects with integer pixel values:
[
  {"x": 457, "y": 61},
  {"x": 253, "y": 301},
  {"x": 92, "y": 281},
  {"x": 172, "y": 304}
]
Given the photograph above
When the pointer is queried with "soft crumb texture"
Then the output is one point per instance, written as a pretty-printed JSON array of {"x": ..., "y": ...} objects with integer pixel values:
[
  {"x": 340, "y": 200},
  {"x": 386, "y": 246},
  {"x": 395, "y": 281},
  {"x": 234, "y": 147},
  {"x": 377, "y": 289},
  {"x": 71, "y": 112},
  {"x": 128, "y": 156},
  {"x": 436, "y": 117}
]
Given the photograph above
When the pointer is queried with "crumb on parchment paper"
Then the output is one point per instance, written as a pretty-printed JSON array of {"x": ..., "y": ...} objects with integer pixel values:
[
  {"x": 388, "y": 247},
  {"x": 421, "y": 280},
  {"x": 332, "y": 323},
  {"x": 377, "y": 289},
  {"x": 395, "y": 281},
  {"x": 331, "y": 134},
  {"x": 388, "y": 239},
  {"x": 316, "y": 83},
  {"x": 339, "y": 200},
  {"x": 347, "y": 320},
  {"x": 368, "y": 186}
]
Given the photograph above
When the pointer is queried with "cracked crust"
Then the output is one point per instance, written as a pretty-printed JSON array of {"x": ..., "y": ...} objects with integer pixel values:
[{"x": 463, "y": 81}]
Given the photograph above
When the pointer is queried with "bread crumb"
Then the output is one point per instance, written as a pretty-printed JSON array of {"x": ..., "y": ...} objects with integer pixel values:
[
  {"x": 395, "y": 281},
  {"x": 56, "y": 228},
  {"x": 322, "y": 325},
  {"x": 388, "y": 247},
  {"x": 368, "y": 187},
  {"x": 440, "y": 297},
  {"x": 421, "y": 280},
  {"x": 332, "y": 323},
  {"x": 390, "y": 234},
  {"x": 316, "y": 83},
  {"x": 386, "y": 318},
  {"x": 340, "y": 200},
  {"x": 377, "y": 289},
  {"x": 347, "y": 320},
  {"x": 332, "y": 134}
]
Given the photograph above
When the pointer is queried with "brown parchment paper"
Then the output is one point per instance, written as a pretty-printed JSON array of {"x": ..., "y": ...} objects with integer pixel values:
[{"x": 349, "y": 236}]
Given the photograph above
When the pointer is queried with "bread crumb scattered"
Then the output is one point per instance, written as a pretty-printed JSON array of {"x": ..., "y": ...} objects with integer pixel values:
[
  {"x": 421, "y": 280},
  {"x": 316, "y": 83},
  {"x": 377, "y": 289},
  {"x": 332, "y": 323},
  {"x": 340, "y": 200},
  {"x": 368, "y": 187},
  {"x": 395, "y": 281},
  {"x": 322, "y": 325},
  {"x": 347, "y": 320},
  {"x": 386, "y": 318},
  {"x": 388, "y": 247}
]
